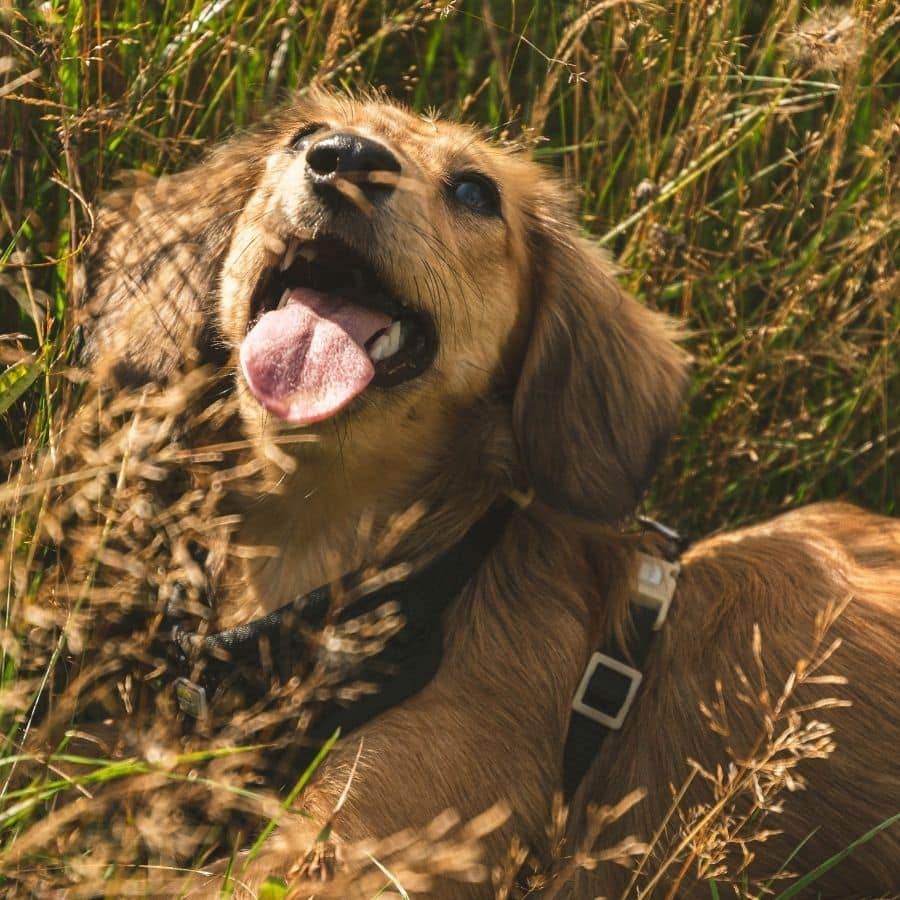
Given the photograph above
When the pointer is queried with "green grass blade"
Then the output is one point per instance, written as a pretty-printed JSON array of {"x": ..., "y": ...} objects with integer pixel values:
[
  {"x": 302, "y": 781},
  {"x": 801, "y": 884},
  {"x": 20, "y": 376}
]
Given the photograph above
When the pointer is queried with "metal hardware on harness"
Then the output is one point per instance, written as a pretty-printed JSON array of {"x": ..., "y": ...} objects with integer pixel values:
[
  {"x": 588, "y": 696},
  {"x": 604, "y": 681},
  {"x": 191, "y": 698},
  {"x": 609, "y": 685},
  {"x": 656, "y": 585},
  {"x": 676, "y": 543}
]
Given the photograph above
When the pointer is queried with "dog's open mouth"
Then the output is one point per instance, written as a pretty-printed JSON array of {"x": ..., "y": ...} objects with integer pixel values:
[{"x": 323, "y": 328}]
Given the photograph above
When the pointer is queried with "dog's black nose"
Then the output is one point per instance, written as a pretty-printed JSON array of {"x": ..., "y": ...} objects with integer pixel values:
[{"x": 353, "y": 157}]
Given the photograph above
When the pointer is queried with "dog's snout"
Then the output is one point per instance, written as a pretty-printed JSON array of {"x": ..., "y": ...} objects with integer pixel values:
[{"x": 354, "y": 157}]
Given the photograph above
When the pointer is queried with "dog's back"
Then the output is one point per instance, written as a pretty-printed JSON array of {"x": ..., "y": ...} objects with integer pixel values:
[{"x": 775, "y": 630}]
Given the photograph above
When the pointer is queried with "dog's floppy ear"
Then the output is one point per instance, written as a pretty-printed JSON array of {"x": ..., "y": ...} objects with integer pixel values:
[
  {"x": 601, "y": 384},
  {"x": 151, "y": 270}
]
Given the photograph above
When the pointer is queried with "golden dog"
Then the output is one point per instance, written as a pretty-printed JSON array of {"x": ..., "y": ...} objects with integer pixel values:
[{"x": 422, "y": 303}]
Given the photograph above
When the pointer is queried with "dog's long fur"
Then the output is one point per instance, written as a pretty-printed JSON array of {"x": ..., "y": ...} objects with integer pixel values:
[{"x": 548, "y": 378}]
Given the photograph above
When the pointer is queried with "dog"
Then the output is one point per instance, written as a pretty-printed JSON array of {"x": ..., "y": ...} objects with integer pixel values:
[{"x": 419, "y": 306}]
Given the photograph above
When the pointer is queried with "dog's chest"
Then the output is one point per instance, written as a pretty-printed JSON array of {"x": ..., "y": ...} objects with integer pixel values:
[{"x": 277, "y": 558}]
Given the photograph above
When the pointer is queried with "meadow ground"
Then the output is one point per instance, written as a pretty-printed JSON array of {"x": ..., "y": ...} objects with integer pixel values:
[{"x": 739, "y": 160}]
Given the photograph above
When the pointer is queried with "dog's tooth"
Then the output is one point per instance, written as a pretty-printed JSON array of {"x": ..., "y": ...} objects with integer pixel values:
[
  {"x": 309, "y": 252},
  {"x": 379, "y": 348},
  {"x": 394, "y": 338},
  {"x": 289, "y": 254},
  {"x": 284, "y": 298},
  {"x": 387, "y": 343}
]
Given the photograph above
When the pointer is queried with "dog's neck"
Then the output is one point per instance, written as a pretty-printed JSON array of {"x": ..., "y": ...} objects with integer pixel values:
[{"x": 338, "y": 512}]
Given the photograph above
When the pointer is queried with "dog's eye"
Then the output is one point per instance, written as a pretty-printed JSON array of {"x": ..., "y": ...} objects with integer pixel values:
[
  {"x": 301, "y": 138},
  {"x": 476, "y": 192}
]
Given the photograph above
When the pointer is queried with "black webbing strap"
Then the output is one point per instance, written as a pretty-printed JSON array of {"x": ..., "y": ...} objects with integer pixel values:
[
  {"x": 406, "y": 663},
  {"x": 613, "y": 676},
  {"x": 607, "y": 691},
  {"x": 677, "y": 543},
  {"x": 412, "y": 657},
  {"x": 234, "y": 657}
]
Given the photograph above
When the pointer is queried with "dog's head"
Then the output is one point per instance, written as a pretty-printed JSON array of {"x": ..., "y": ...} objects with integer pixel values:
[{"x": 367, "y": 266}]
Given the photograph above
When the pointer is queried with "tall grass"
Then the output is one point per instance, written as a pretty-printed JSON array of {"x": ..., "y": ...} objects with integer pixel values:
[{"x": 737, "y": 158}]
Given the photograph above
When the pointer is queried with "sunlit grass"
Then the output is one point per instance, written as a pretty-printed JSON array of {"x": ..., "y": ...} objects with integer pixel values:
[{"x": 738, "y": 159}]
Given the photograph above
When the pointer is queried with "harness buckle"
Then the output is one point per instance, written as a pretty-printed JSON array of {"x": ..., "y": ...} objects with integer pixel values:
[
  {"x": 191, "y": 698},
  {"x": 603, "y": 697},
  {"x": 657, "y": 579}
]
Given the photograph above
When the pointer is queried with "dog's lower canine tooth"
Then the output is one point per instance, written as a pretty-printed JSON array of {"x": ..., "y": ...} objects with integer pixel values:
[
  {"x": 394, "y": 338},
  {"x": 379, "y": 348}
]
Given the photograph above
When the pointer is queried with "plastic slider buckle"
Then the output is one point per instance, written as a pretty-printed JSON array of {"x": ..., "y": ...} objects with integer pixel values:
[
  {"x": 191, "y": 698},
  {"x": 657, "y": 579},
  {"x": 581, "y": 702}
]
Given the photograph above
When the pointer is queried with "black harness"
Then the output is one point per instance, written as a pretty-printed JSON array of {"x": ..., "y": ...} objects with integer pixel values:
[{"x": 409, "y": 609}]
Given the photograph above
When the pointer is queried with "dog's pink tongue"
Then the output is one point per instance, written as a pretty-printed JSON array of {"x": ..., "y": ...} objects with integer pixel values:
[{"x": 308, "y": 360}]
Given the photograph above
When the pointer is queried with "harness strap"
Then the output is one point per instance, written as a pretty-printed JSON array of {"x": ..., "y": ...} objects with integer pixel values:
[
  {"x": 410, "y": 658},
  {"x": 613, "y": 675},
  {"x": 402, "y": 667},
  {"x": 609, "y": 689}
]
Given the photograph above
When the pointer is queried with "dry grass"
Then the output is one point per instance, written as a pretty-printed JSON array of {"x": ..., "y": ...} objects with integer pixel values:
[{"x": 736, "y": 157}]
